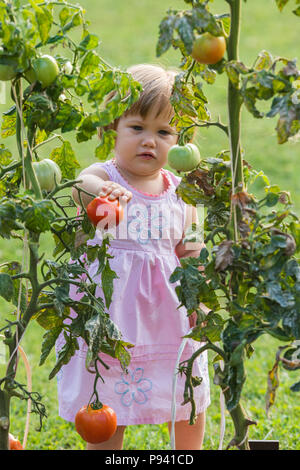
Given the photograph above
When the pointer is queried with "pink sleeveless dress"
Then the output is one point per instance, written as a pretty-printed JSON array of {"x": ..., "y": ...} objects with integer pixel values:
[{"x": 145, "y": 308}]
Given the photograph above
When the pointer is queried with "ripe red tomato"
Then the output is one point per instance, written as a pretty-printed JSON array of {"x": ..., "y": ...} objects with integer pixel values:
[
  {"x": 106, "y": 212},
  {"x": 96, "y": 425},
  {"x": 14, "y": 444},
  {"x": 208, "y": 49}
]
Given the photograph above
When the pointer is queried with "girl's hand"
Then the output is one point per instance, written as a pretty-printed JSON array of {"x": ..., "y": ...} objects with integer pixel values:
[{"x": 114, "y": 190}]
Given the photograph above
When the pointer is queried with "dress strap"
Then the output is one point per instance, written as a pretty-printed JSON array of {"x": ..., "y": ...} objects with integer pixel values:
[{"x": 111, "y": 171}]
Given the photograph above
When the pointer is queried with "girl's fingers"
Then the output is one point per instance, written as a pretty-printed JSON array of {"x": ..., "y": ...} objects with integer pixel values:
[{"x": 113, "y": 191}]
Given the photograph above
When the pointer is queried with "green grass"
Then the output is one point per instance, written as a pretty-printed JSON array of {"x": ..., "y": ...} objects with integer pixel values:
[
  {"x": 128, "y": 31},
  {"x": 282, "y": 423}
]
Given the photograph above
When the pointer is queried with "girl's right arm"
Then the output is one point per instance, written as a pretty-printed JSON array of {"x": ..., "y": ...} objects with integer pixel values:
[{"x": 95, "y": 180}]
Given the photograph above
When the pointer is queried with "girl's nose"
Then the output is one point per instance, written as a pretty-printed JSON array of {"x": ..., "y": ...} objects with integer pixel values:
[{"x": 148, "y": 140}]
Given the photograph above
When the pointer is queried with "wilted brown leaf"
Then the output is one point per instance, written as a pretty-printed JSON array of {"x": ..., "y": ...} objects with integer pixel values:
[{"x": 224, "y": 256}]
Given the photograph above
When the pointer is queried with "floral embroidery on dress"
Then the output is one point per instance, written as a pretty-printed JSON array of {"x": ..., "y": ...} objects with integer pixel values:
[{"x": 133, "y": 387}]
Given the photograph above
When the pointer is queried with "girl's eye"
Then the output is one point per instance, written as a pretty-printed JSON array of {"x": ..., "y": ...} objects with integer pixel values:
[
  {"x": 164, "y": 132},
  {"x": 137, "y": 128}
]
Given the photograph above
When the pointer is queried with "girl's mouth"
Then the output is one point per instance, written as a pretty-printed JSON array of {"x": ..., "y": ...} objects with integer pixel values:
[{"x": 146, "y": 156}]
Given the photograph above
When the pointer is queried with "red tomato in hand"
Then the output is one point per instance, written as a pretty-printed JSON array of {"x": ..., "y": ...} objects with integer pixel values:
[
  {"x": 14, "y": 444},
  {"x": 96, "y": 425},
  {"x": 105, "y": 212}
]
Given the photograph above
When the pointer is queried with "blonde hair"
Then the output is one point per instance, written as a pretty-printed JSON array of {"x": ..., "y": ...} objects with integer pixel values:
[{"x": 157, "y": 83}]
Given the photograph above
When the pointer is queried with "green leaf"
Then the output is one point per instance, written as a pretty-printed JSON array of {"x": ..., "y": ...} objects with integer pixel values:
[
  {"x": 48, "y": 317},
  {"x": 297, "y": 11},
  {"x": 278, "y": 333},
  {"x": 8, "y": 125},
  {"x": 112, "y": 330},
  {"x": 64, "y": 354},
  {"x": 65, "y": 157},
  {"x": 107, "y": 145},
  {"x": 44, "y": 20},
  {"x": 283, "y": 298},
  {"x": 296, "y": 386},
  {"x": 101, "y": 85},
  {"x": 8, "y": 218},
  {"x": 281, "y": 4},
  {"x": 203, "y": 20},
  {"x": 122, "y": 354},
  {"x": 7, "y": 290},
  {"x": 272, "y": 199},
  {"x": 5, "y": 156},
  {"x": 233, "y": 70},
  {"x": 295, "y": 232},
  {"x": 263, "y": 61},
  {"x": 38, "y": 216},
  {"x": 67, "y": 118},
  {"x": 90, "y": 64},
  {"x": 185, "y": 31},
  {"x": 90, "y": 41},
  {"x": 273, "y": 384},
  {"x": 165, "y": 37},
  {"x": 64, "y": 15},
  {"x": 211, "y": 330},
  {"x": 49, "y": 340},
  {"x": 107, "y": 279},
  {"x": 89, "y": 125},
  {"x": 95, "y": 329}
]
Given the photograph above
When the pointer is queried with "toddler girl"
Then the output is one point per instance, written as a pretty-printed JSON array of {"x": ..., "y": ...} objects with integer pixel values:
[{"x": 146, "y": 249}]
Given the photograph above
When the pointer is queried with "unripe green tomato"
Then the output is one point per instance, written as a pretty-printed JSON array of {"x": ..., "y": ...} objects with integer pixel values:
[
  {"x": 184, "y": 157},
  {"x": 45, "y": 70},
  {"x": 48, "y": 173}
]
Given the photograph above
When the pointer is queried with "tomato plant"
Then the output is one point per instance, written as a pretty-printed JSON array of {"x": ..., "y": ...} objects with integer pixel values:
[
  {"x": 248, "y": 274},
  {"x": 184, "y": 157},
  {"x": 48, "y": 173},
  {"x": 65, "y": 97},
  {"x": 208, "y": 49},
  {"x": 105, "y": 212},
  {"x": 96, "y": 423}
]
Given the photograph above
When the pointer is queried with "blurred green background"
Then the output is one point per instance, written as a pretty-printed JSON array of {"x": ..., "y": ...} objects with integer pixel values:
[{"x": 128, "y": 32}]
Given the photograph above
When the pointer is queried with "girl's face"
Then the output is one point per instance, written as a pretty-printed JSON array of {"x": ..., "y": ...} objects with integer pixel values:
[{"x": 142, "y": 144}]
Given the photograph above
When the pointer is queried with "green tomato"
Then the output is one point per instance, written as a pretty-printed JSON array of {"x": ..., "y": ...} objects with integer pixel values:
[
  {"x": 45, "y": 70},
  {"x": 184, "y": 157},
  {"x": 48, "y": 174}
]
